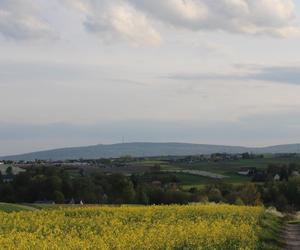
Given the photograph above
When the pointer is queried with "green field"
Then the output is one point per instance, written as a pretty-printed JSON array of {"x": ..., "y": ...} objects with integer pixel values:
[
  {"x": 6, "y": 207},
  {"x": 228, "y": 168}
]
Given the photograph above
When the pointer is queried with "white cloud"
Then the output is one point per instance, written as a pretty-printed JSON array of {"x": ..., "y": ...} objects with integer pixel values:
[
  {"x": 136, "y": 20},
  {"x": 21, "y": 20},
  {"x": 117, "y": 19},
  {"x": 83, "y": 6},
  {"x": 255, "y": 17}
]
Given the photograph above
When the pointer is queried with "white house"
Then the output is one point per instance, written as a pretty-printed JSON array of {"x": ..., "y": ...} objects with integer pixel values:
[
  {"x": 247, "y": 171},
  {"x": 244, "y": 172},
  {"x": 277, "y": 177}
]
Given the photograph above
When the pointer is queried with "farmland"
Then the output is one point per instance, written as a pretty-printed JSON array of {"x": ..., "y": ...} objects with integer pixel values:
[
  {"x": 195, "y": 172},
  {"x": 134, "y": 227},
  {"x": 234, "y": 179},
  {"x": 5, "y": 207}
]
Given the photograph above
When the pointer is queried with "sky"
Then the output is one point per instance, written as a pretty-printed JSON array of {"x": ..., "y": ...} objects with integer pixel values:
[{"x": 83, "y": 72}]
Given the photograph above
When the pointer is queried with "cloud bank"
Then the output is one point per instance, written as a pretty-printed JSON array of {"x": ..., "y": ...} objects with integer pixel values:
[
  {"x": 136, "y": 19},
  {"x": 145, "y": 21},
  {"x": 274, "y": 74},
  {"x": 255, "y": 17}
]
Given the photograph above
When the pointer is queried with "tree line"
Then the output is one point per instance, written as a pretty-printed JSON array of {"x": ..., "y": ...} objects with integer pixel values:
[{"x": 47, "y": 184}]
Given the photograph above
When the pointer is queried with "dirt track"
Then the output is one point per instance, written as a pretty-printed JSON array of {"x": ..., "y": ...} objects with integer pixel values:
[{"x": 291, "y": 237}]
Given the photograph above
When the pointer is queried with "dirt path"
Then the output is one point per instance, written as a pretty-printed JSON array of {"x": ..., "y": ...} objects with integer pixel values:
[{"x": 291, "y": 237}]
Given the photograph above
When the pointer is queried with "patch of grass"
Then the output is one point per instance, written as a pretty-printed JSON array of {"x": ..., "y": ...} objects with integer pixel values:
[
  {"x": 8, "y": 208},
  {"x": 235, "y": 165},
  {"x": 270, "y": 235},
  {"x": 297, "y": 218},
  {"x": 41, "y": 206},
  {"x": 294, "y": 222},
  {"x": 149, "y": 162},
  {"x": 190, "y": 179}
]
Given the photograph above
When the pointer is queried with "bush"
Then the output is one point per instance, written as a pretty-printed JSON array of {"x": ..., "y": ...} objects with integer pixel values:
[{"x": 215, "y": 195}]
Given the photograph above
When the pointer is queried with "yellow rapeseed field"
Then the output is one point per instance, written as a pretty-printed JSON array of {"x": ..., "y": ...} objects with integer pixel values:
[{"x": 133, "y": 227}]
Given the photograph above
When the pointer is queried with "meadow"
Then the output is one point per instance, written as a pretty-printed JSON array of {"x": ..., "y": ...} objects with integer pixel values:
[
  {"x": 5, "y": 207},
  {"x": 228, "y": 168},
  {"x": 134, "y": 227}
]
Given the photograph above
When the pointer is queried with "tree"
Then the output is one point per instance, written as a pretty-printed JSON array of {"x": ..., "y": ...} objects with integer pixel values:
[
  {"x": 239, "y": 202},
  {"x": 53, "y": 183},
  {"x": 67, "y": 187},
  {"x": 141, "y": 196},
  {"x": 179, "y": 197},
  {"x": 58, "y": 197},
  {"x": 121, "y": 189},
  {"x": 215, "y": 195},
  {"x": 7, "y": 193},
  {"x": 156, "y": 196},
  {"x": 284, "y": 173},
  {"x": 250, "y": 195},
  {"x": 246, "y": 155},
  {"x": 9, "y": 171},
  {"x": 37, "y": 188},
  {"x": 232, "y": 197},
  {"x": 293, "y": 191},
  {"x": 84, "y": 189},
  {"x": 281, "y": 203}
]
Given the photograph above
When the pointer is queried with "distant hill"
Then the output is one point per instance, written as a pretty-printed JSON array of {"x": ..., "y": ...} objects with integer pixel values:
[{"x": 145, "y": 149}]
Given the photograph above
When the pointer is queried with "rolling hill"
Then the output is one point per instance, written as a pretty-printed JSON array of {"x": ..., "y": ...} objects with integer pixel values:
[{"x": 145, "y": 149}]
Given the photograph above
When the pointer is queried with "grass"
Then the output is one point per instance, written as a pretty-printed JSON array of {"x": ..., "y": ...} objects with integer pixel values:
[
  {"x": 270, "y": 235},
  {"x": 43, "y": 206},
  {"x": 296, "y": 219},
  {"x": 297, "y": 222},
  {"x": 228, "y": 168},
  {"x": 8, "y": 208},
  {"x": 148, "y": 163},
  {"x": 190, "y": 180},
  {"x": 50, "y": 207},
  {"x": 234, "y": 165}
]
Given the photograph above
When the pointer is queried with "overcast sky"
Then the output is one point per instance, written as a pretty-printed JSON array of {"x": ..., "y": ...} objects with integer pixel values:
[{"x": 80, "y": 72}]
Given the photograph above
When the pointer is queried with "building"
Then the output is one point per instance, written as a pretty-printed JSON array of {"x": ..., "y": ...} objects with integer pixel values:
[
  {"x": 247, "y": 171},
  {"x": 277, "y": 177}
]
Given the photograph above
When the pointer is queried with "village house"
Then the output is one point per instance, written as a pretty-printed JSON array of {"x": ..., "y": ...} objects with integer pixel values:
[
  {"x": 277, "y": 177},
  {"x": 247, "y": 171}
]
